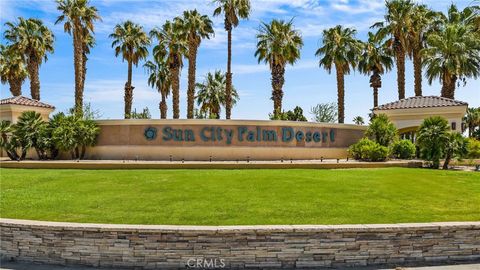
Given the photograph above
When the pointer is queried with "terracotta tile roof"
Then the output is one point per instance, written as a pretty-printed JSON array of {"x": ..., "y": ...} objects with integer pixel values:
[
  {"x": 421, "y": 102},
  {"x": 24, "y": 101}
]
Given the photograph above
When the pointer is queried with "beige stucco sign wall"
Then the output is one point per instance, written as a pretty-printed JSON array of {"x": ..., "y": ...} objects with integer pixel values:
[{"x": 222, "y": 140}]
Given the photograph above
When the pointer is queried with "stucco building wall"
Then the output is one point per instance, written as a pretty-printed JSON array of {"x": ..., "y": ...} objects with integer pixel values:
[
  {"x": 11, "y": 112},
  {"x": 410, "y": 119}
]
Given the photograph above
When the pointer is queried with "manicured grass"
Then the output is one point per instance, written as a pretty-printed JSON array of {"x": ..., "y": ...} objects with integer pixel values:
[{"x": 227, "y": 197}]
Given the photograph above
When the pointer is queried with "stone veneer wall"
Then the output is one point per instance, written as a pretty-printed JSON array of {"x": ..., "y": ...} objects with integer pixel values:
[{"x": 152, "y": 246}]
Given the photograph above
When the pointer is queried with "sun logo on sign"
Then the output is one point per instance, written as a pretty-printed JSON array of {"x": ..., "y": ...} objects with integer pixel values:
[{"x": 150, "y": 133}]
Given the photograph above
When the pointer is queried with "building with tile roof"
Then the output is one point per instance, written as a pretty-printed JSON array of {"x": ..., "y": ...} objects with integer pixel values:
[
  {"x": 407, "y": 114},
  {"x": 11, "y": 108}
]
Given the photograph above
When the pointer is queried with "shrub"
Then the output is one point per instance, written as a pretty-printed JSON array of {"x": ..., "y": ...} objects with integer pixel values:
[
  {"x": 295, "y": 115},
  {"x": 67, "y": 133},
  {"x": 432, "y": 139},
  {"x": 368, "y": 150},
  {"x": 8, "y": 142},
  {"x": 31, "y": 131},
  {"x": 403, "y": 149},
  {"x": 355, "y": 149},
  {"x": 325, "y": 112},
  {"x": 382, "y": 130},
  {"x": 145, "y": 114},
  {"x": 456, "y": 146},
  {"x": 74, "y": 134},
  {"x": 473, "y": 148}
]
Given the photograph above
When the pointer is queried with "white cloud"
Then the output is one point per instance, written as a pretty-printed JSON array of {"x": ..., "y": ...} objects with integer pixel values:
[
  {"x": 264, "y": 68},
  {"x": 113, "y": 90},
  {"x": 364, "y": 6}
]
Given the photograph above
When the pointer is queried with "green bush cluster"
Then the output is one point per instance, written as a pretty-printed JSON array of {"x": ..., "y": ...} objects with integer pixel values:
[
  {"x": 295, "y": 115},
  {"x": 403, "y": 149},
  {"x": 436, "y": 141},
  {"x": 382, "y": 130},
  {"x": 67, "y": 133},
  {"x": 473, "y": 148},
  {"x": 369, "y": 150},
  {"x": 381, "y": 133}
]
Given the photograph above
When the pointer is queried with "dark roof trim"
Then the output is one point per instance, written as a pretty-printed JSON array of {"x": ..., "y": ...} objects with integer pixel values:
[{"x": 421, "y": 102}]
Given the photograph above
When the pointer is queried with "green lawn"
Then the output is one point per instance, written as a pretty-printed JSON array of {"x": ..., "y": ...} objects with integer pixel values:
[{"x": 227, "y": 197}]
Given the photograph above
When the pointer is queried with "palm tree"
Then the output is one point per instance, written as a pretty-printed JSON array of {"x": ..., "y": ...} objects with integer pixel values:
[
  {"x": 278, "y": 44},
  {"x": 172, "y": 37},
  {"x": 33, "y": 41},
  {"x": 78, "y": 17},
  {"x": 470, "y": 15},
  {"x": 374, "y": 61},
  {"x": 131, "y": 41},
  {"x": 196, "y": 28},
  {"x": 340, "y": 50},
  {"x": 358, "y": 120},
  {"x": 424, "y": 21},
  {"x": 8, "y": 143},
  {"x": 398, "y": 22},
  {"x": 159, "y": 77},
  {"x": 432, "y": 136},
  {"x": 88, "y": 43},
  {"x": 12, "y": 69},
  {"x": 452, "y": 54},
  {"x": 28, "y": 130},
  {"x": 211, "y": 94},
  {"x": 456, "y": 146},
  {"x": 233, "y": 11},
  {"x": 472, "y": 120}
]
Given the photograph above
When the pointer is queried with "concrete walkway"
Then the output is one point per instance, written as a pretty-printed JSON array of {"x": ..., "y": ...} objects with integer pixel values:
[{"x": 28, "y": 266}]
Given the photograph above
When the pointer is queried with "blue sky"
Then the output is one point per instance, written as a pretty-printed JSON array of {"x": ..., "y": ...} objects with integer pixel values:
[{"x": 305, "y": 83}]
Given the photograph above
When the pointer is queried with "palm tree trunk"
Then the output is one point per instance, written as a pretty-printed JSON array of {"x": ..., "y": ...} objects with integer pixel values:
[
  {"x": 375, "y": 83},
  {"x": 78, "y": 62},
  {"x": 24, "y": 154},
  {"x": 448, "y": 85},
  {"x": 278, "y": 72},
  {"x": 375, "y": 97},
  {"x": 175, "y": 79},
  {"x": 451, "y": 88},
  {"x": 417, "y": 71},
  {"x": 228, "y": 89},
  {"x": 77, "y": 153},
  {"x": 192, "y": 62},
  {"x": 12, "y": 154},
  {"x": 214, "y": 112},
  {"x": 32, "y": 67},
  {"x": 82, "y": 153},
  {"x": 341, "y": 94},
  {"x": 445, "y": 84},
  {"x": 84, "y": 71},
  {"x": 448, "y": 157},
  {"x": 400, "y": 61},
  {"x": 39, "y": 154},
  {"x": 15, "y": 87},
  {"x": 163, "y": 107},
  {"x": 128, "y": 92}
]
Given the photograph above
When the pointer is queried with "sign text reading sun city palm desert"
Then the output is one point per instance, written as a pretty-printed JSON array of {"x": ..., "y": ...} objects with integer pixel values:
[{"x": 241, "y": 134}]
